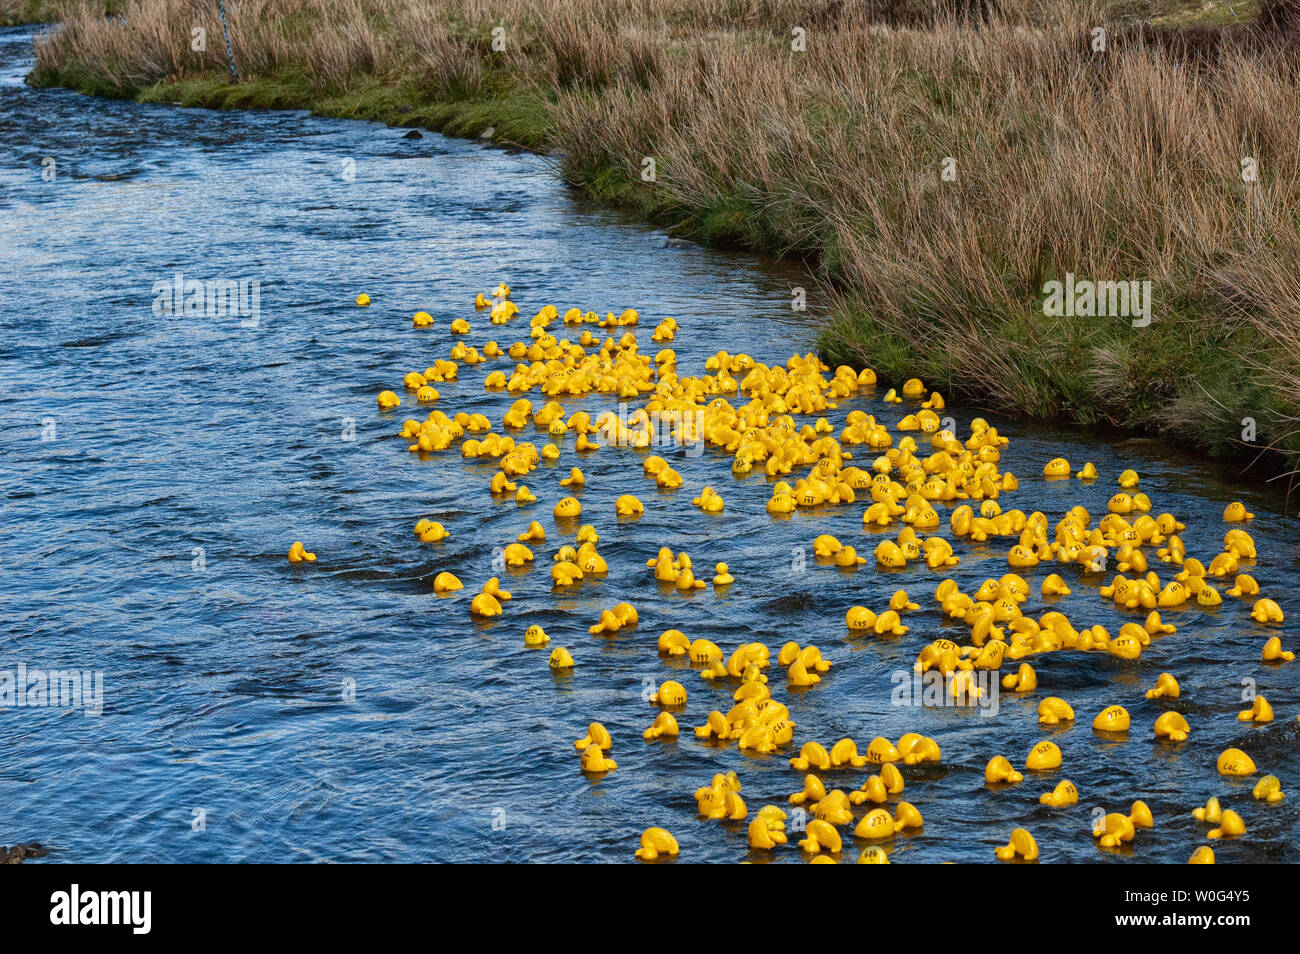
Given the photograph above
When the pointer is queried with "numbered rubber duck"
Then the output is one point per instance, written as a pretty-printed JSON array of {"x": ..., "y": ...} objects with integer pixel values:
[
  {"x": 670, "y": 693},
  {"x": 1064, "y": 795},
  {"x": 561, "y": 658},
  {"x": 1112, "y": 719},
  {"x": 568, "y": 508},
  {"x": 1236, "y": 512},
  {"x": 430, "y": 531},
  {"x": 876, "y": 824},
  {"x": 1043, "y": 757},
  {"x": 1203, "y": 855},
  {"x": 535, "y": 636},
  {"x": 1234, "y": 762},
  {"x": 834, "y": 808},
  {"x": 880, "y": 751}
]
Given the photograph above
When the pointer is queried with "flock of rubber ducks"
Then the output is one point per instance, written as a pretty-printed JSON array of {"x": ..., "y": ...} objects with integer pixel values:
[{"x": 902, "y": 478}]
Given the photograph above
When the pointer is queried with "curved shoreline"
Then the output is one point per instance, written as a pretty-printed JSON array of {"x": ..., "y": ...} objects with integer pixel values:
[{"x": 1207, "y": 365}]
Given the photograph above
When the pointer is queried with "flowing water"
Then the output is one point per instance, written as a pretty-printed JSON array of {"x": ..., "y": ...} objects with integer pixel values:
[{"x": 156, "y": 468}]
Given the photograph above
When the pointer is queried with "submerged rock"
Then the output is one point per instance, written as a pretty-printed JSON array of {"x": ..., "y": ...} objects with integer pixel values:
[{"x": 20, "y": 853}]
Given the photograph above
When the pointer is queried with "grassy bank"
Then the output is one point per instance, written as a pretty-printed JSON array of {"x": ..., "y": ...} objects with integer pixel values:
[{"x": 936, "y": 163}]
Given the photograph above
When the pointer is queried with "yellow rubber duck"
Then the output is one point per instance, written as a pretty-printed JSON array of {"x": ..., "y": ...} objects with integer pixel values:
[
  {"x": 1211, "y": 813},
  {"x": 845, "y": 752},
  {"x": 1203, "y": 855},
  {"x": 535, "y": 636},
  {"x": 664, "y": 727},
  {"x": 561, "y": 658},
  {"x": 1023, "y": 680},
  {"x": 813, "y": 791},
  {"x": 821, "y": 836},
  {"x": 363, "y": 300},
  {"x": 594, "y": 761},
  {"x": 1000, "y": 771},
  {"x": 1236, "y": 512},
  {"x": 430, "y": 531},
  {"x": 1053, "y": 711},
  {"x": 446, "y": 582},
  {"x": 597, "y": 734},
  {"x": 1172, "y": 726},
  {"x": 486, "y": 605},
  {"x": 1021, "y": 845},
  {"x": 1063, "y": 795},
  {"x": 1234, "y": 762},
  {"x": 629, "y": 506},
  {"x": 656, "y": 843},
  {"x": 1273, "y": 651},
  {"x": 876, "y": 824},
  {"x": 1166, "y": 687},
  {"x": 1266, "y": 611},
  {"x": 298, "y": 553},
  {"x": 1268, "y": 789},
  {"x": 671, "y": 693},
  {"x": 1230, "y": 826},
  {"x": 767, "y": 830},
  {"x": 1113, "y": 830},
  {"x": 812, "y": 755},
  {"x": 1053, "y": 585},
  {"x": 1043, "y": 757},
  {"x": 1259, "y": 711},
  {"x": 1113, "y": 719},
  {"x": 722, "y": 576},
  {"x": 880, "y": 751},
  {"x": 568, "y": 508}
]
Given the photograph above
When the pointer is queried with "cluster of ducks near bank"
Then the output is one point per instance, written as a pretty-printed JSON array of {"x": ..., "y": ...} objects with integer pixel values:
[{"x": 748, "y": 409}]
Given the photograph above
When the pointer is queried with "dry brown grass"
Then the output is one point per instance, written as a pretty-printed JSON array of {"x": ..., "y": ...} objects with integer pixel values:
[{"x": 1117, "y": 165}]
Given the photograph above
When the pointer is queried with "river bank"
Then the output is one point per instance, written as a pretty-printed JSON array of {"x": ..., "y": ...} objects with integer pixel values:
[{"x": 936, "y": 174}]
